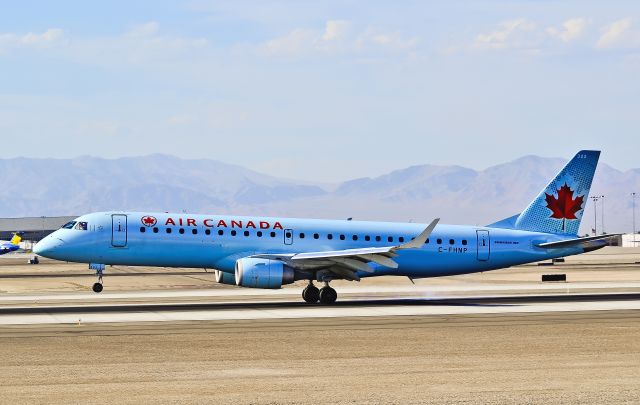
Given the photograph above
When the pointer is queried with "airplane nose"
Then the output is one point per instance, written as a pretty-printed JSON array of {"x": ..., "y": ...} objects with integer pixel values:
[{"x": 47, "y": 246}]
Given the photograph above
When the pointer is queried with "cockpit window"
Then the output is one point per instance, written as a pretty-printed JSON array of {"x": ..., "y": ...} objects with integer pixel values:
[
  {"x": 69, "y": 225},
  {"x": 81, "y": 226}
]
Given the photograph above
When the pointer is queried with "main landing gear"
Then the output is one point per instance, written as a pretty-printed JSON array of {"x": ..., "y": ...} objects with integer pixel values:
[{"x": 326, "y": 295}]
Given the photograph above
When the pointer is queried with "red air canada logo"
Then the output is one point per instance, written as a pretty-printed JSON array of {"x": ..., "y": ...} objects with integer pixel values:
[
  {"x": 565, "y": 206},
  {"x": 149, "y": 220}
]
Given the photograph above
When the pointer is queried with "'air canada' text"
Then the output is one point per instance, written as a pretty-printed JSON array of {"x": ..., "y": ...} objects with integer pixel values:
[{"x": 221, "y": 223}]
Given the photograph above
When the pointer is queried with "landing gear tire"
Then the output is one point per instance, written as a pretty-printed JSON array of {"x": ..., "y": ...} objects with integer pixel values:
[
  {"x": 97, "y": 287},
  {"x": 328, "y": 295},
  {"x": 311, "y": 294}
]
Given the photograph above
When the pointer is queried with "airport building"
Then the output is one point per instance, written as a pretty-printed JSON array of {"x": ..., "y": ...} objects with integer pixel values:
[
  {"x": 33, "y": 228},
  {"x": 631, "y": 240}
]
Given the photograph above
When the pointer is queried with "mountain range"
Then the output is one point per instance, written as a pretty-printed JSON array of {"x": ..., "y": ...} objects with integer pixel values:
[{"x": 458, "y": 195}]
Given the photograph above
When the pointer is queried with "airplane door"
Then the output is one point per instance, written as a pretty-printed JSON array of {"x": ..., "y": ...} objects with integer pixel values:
[
  {"x": 118, "y": 230},
  {"x": 483, "y": 245},
  {"x": 288, "y": 237}
]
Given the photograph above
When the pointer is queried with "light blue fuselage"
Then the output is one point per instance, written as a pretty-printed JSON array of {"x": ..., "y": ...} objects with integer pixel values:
[{"x": 117, "y": 238}]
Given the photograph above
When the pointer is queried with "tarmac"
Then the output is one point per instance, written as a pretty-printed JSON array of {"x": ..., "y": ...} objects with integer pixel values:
[{"x": 173, "y": 335}]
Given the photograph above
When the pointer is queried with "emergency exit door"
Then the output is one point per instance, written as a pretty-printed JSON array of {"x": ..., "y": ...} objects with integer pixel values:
[
  {"x": 118, "y": 230},
  {"x": 288, "y": 237},
  {"x": 484, "y": 249}
]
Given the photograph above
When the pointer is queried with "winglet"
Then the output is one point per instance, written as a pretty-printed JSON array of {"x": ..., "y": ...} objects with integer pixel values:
[{"x": 421, "y": 239}]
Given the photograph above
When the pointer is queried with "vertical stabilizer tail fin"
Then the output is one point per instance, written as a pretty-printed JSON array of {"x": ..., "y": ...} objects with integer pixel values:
[
  {"x": 16, "y": 239},
  {"x": 559, "y": 206}
]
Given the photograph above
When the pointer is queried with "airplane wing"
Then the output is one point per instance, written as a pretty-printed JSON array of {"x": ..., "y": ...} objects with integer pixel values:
[
  {"x": 575, "y": 241},
  {"x": 348, "y": 261}
]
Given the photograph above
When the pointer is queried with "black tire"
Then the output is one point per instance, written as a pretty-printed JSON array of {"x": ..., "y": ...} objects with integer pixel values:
[
  {"x": 97, "y": 287},
  {"x": 328, "y": 295},
  {"x": 311, "y": 294}
]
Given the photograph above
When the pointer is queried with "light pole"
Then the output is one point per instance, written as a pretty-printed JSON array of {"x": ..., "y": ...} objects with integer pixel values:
[
  {"x": 633, "y": 209},
  {"x": 602, "y": 205},
  {"x": 595, "y": 215}
]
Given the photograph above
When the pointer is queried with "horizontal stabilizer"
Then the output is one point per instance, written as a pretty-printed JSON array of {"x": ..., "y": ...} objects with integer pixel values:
[{"x": 575, "y": 242}]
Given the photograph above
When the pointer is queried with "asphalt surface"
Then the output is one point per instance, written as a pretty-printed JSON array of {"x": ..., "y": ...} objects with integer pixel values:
[{"x": 173, "y": 336}]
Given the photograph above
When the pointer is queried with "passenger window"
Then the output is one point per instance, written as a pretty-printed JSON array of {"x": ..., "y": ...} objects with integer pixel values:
[
  {"x": 451, "y": 241},
  {"x": 378, "y": 238},
  {"x": 390, "y": 238},
  {"x": 155, "y": 230},
  {"x": 464, "y": 242},
  {"x": 233, "y": 233},
  {"x": 168, "y": 230},
  {"x": 259, "y": 233},
  {"x": 288, "y": 235},
  {"x": 329, "y": 236},
  {"x": 143, "y": 229},
  {"x": 354, "y": 237},
  {"x": 246, "y": 233},
  {"x": 427, "y": 240},
  {"x": 367, "y": 238},
  {"x": 220, "y": 232},
  {"x": 301, "y": 235},
  {"x": 207, "y": 231},
  {"x": 273, "y": 234},
  {"x": 401, "y": 239},
  {"x": 181, "y": 231},
  {"x": 439, "y": 241},
  {"x": 342, "y": 237},
  {"x": 316, "y": 236},
  {"x": 194, "y": 231}
]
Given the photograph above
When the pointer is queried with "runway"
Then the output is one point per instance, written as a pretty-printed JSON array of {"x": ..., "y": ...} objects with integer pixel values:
[
  {"x": 58, "y": 293},
  {"x": 284, "y": 309}
]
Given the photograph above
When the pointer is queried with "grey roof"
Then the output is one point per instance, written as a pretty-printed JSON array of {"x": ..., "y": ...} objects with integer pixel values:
[{"x": 30, "y": 224}]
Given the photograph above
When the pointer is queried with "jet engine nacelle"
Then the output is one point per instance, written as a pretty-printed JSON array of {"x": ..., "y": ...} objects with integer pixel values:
[
  {"x": 225, "y": 278},
  {"x": 263, "y": 273}
]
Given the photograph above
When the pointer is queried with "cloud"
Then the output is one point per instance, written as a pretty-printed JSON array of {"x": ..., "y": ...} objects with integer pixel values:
[
  {"x": 387, "y": 40},
  {"x": 615, "y": 34},
  {"x": 337, "y": 37},
  {"x": 509, "y": 35},
  {"x": 294, "y": 42},
  {"x": 335, "y": 30},
  {"x": 144, "y": 30},
  {"x": 13, "y": 40},
  {"x": 144, "y": 45},
  {"x": 570, "y": 29}
]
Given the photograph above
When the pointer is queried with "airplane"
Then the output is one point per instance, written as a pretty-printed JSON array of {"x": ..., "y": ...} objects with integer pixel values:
[
  {"x": 268, "y": 252},
  {"x": 11, "y": 246}
]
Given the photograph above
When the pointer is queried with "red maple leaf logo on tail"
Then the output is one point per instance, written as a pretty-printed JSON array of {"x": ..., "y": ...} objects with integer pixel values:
[{"x": 565, "y": 206}]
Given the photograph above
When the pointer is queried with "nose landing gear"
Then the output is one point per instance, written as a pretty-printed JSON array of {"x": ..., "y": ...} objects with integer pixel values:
[
  {"x": 99, "y": 268},
  {"x": 97, "y": 287}
]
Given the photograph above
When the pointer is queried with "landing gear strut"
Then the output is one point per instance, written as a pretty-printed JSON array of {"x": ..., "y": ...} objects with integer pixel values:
[
  {"x": 97, "y": 286},
  {"x": 311, "y": 294}
]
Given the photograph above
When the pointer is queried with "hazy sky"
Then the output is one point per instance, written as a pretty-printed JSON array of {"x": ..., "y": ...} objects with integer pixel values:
[{"x": 321, "y": 90}]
